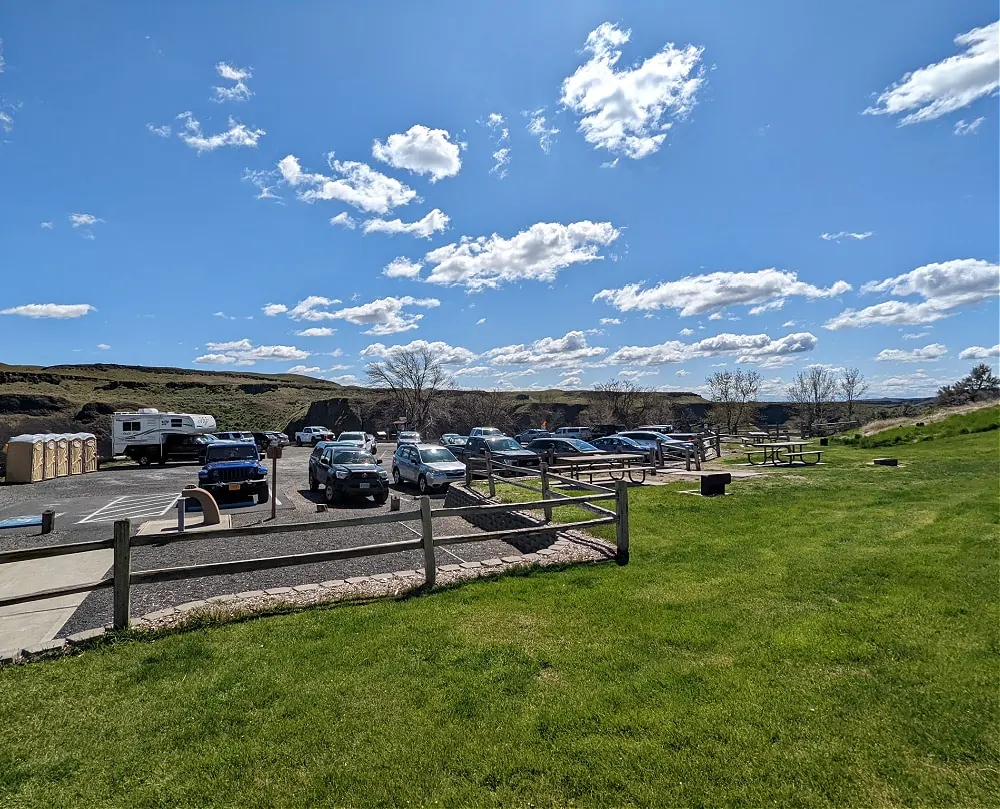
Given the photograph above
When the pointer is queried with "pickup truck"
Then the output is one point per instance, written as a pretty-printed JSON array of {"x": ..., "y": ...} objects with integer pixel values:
[
  {"x": 503, "y": 449},
  {"x": 311, "y": 435},
  {"x": 234, "y": 467}
]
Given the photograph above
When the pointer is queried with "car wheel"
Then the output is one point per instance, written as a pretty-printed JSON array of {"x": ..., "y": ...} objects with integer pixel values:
[
  {"x": 144, "y": 459},
  {"x": 331, "y": 494},
  {"x": 313, "y": 485},
  {"x": 381, "y": 498},
  {"x": 263, "y": 495},
  {"x": 298, "y": 442},
  {"x": 423, "y": 485},
  {"x": 396, "y": 477}
]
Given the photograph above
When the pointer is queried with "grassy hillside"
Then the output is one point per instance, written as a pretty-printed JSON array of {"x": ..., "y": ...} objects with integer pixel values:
[
  {"x": 819, "y": 638},
  {"x": 981, "y": 420}
]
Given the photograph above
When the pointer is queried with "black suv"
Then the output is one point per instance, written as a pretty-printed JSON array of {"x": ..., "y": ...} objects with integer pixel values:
[
  {"x": 349, "y": 472},
  {"x": 502, "y": 449}
]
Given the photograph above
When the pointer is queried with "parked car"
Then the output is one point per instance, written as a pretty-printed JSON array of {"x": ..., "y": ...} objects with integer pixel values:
[
  {"x": 666, "y": 429},
  {"x": 408, "y": 437},
  {"x": 277, "y": 439},
  {"x": 562, "y": 447},
  {"x": 235, "y": 435},
  {"x": 453, "y": 440},
  {"x": 234, "y": 467},
  {"x": 427, "y": 465},
  {"x": 620, "y": 444},
  {"x": 503, "y": 449},
  {"x": 312, "y": 435},
  {"x": 185, "y": 448},
  {"x": 603, "y": 430},
  {"x": 363, "y": 440},
  {"x": 530, "y": 435},
  {"x": 350, "y": 472},
  {"x": 483, "y": 432},
  {"x": 648, "y": 439},
  {"x": 582, "y": 433},
  {"x": 268, "y": 438}
]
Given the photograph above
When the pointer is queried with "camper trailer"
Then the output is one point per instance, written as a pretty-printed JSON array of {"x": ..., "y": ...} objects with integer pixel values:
[{"x": 149, "y": 436}]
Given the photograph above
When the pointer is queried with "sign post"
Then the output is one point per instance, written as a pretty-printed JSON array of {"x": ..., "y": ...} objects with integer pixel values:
[{"x": 273, "y": 453}]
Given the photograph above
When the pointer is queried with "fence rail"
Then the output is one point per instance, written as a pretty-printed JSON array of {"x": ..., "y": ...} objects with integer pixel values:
[{"x": 122, "y": 542}]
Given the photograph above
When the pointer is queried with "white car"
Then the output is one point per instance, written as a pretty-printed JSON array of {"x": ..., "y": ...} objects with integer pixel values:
[
  {"x": 408, "y": 437},
  {"x": 485, "y": 432},
  {"x": 362, "y": 440}
]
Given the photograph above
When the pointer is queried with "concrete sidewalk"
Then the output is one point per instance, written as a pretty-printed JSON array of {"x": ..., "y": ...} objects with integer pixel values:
[{"x": 23, "y": 625}]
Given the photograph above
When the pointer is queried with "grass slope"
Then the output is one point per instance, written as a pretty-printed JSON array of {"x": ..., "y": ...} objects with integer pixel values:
[
  {"x": 819, "y": 638},
  {"x": 976, "y": 421}
]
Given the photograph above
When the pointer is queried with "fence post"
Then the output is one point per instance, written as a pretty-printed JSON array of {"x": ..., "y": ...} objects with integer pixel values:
[
  {"x": 718, "y": 445},
  {"x": 468, "y": 473},
  {"x": 688, "y": 451},
  {"x": 122, "y": 570},
  {"x": 489, "y": 473},
  {"x": 621, "y": 525},
  {"x": 658, "y": 454},
  {"x": 48, "y": 521},
  {"x": 544, "y": 469},
  {"x": 427, "y": 535}
]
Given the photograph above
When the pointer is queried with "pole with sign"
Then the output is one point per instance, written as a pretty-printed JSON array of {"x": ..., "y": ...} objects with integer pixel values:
[{"x": 273, "y": 453}]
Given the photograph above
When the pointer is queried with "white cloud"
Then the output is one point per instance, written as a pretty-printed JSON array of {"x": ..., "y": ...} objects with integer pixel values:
[
  {"x": 401, "y": 267},
  {"x": 304, "y": 370},
  {"x": 103, "y": 347},
  {"x": 536, "y": 254},
  {"x": 501, "y": 159},
  {"x": 273, "y": 309},
  {"x": 385, "y": 315},
  {"x": 570, "y": 382},
  {"x": 934, "y": 351},
  {"x": 481, "y": 321},
  {"x": 162, "y": 131},
  {"x": 345, "y": 379},
  {"x": 788, "y": 324},
  {"x": 237, "y": 135},
  {"x": 635, "y": 373},
  {"x": 538, "y": 126},
  {"x": 971, "y": 128},
  {"x": 344, "y": 220},
  {"x": 433, "y": 222},
  {"x": 682, "y": 372},
  {"x": 59, "y": 311},
  {"x": 422, "y": 151},
  {"x": 713, "y": 292},
  {"x": 316, "y": 331},
  {"x": 309, "y": 308},
  {"x": 358, "y": 185},
  {"x": 244, "y": 352},
  {"x": 239, "y": 91},
  {"x": 223, "y": 315},
  {"x": 446, "y": 354},
  {"x": 945, "y": 287},
  {"x": 686, "y": 332},
  {"x": 549, "y": 352},
  {"x": 84, "y": 223},
  {"x": 474, "y": 370},
  {"x": 980, "y": 353},
  {"x": 265, "y": 182},
  {"x": 915, "y": 335},
  {"x": 625, "y": 111},
  {"x": 846, "y": 234},
  {"x": 773, "y": 306},
  {"x": 48, "y": 225},
  {"x": 610, "y": 321},
  {"x": 756, "y": 349},
  {"x": 914, "y": 383},
  {"x": 948, "y": 85}
]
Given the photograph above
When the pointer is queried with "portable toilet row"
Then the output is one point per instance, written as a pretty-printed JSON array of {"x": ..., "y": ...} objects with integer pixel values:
[{"x": 31, "y": 458}]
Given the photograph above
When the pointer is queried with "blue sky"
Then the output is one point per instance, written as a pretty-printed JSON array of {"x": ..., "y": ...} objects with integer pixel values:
[{"x": 263, "y": 186}]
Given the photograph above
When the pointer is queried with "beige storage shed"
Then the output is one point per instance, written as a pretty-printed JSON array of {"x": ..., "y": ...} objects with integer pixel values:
[
  {"x": 62, "y": 454},
  {"x": 89, "y": 452},
  {"x": 76, "y": 453},
  {"x": 25, "y": 459}
]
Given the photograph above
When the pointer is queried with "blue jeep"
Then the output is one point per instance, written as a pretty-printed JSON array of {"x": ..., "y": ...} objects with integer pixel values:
[{"x": 234, "y": 467}]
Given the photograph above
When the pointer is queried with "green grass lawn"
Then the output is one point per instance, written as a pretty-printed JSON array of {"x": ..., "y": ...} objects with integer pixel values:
[{"x": 822, "y": 637}]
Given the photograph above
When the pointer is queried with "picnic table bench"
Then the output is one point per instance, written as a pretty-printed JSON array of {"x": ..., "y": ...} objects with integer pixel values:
[
  {"x": 616, "y": 466},
  {"x": 783, "y": 453}
]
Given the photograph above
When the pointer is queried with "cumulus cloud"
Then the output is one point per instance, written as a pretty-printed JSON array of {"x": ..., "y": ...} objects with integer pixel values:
[
  {"x": 244, "y": 352},
  {"x": 273, "y": 309},
  {"x": 310, "y": 308},
  {"x": 304, "y": 370},
  {"x": 443, "y": 352},
  {"x": 713, "y": 292},
  {"x": 385, "y": 315},
  {"x": 316, "y": 331},
  {"x": 426, "y": 227},
  {"x": 540, "y": 128},
  {"x": 344, "y": 220},
  {"x": 474, "y": 370},
  {"x": 754, "y": 349},
  {"x": 626, "y": 111},
  {"x": 58, "y": 311},
  {"x": 535, "y": 254},
  {"x": 237, "y": 135},
  {"x": 948, "y": 85},
  {"x": 980, "y": 353},
  {"x": 971, "y": 128},
  {"x": 845, "y": 234},
  {"x": 422, "y": 151},
  {"x": 686, "y": 332},
  {"x": 103, "y": 347},
  {"x": 357, "y": 184},
  {"x": 238, "y": 91},
  {"x": 945, "y": 287},
  {"x": 934, "y": 351},
  {"x": 635, "y": 373},
  {"x": 550, "y": 352},
  {"x": 401, "y": 267}
]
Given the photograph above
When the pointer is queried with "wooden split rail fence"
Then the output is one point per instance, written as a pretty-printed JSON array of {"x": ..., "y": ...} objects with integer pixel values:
[{"x": 123, "y": 577}]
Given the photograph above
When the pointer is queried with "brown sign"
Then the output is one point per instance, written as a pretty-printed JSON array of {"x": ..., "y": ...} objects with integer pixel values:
[{"x": 274, "y": 451}]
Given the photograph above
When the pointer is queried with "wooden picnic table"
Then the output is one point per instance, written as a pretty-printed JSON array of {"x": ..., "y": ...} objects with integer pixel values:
[
  {"x": 782, "y": 452},
  {"x": 615, "y": 465}
]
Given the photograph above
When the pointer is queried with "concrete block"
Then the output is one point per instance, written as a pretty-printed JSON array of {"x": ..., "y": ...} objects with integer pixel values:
[
  {"x": 886, "y": 462},
  {"x": 405, "y": 574},
  {"x": 221, "y": 599},
  {"x": 471, "y": 565},
  {"x": 305, "y": 588},
  {"x": 510, "y": 560},
  {"x": 449, "y": 568},
  {"x": 45, "y": 647},
  {"x": 279, "y": 591},
  {"x": 85, "y": 636},
  {"x": 9, "y": 657},
  {"x": 383, "y": 576},
  {"x": 191, "y": 605},
  {"x": 531, "y": 557},
  {"x": 250, "y": 594},
  {"x": 546, "y": 552},
  {"x": 357, "y": 579},
  {"x": 491, "y": 563},
  {"x": 329, "y": 585}
]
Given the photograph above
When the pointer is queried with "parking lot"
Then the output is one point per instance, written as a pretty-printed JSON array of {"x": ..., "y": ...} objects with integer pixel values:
[{"x": 86, "y": 506}]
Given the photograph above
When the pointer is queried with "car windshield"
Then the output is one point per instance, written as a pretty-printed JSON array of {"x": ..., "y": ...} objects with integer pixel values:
[
  {"x": 353, "y": 457},
  {"x": 503, "y": 444},
  {"x": 209, "y": 437},
  {"x": 351, "y": 437},
  {"x": 239, "y": 452},
  {"x": 436, "y": 455},
  {"x": 583, "y": 446},
  {"x": 489, "y": 431}
]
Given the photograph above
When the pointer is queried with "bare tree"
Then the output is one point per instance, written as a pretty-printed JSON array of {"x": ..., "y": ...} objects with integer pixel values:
[
  {"x": 734, "y": 392},
  {"x": 852, "y": 387},
  {"x": 980, "y": 384},
  {"x": 413, "y": 379},
  {"x": 626, "y": 401},
  {"x": 486, "y": 408},
  {"x": 813, "y": 389}
]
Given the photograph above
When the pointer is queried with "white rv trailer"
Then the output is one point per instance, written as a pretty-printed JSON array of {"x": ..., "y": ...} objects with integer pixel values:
[{"x": 149, "y": 435}]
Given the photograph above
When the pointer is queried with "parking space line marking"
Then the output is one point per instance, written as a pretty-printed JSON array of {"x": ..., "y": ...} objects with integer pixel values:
[
  {"x": 101, "y": 509},
  {"x": 133, "y": 506},
  {"x": 170, "y": 505}
]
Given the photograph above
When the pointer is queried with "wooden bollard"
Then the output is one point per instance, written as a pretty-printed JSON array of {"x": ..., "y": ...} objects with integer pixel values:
[
  {"x": 394, "y": 503},
  {"x": 48, "y": 521}
]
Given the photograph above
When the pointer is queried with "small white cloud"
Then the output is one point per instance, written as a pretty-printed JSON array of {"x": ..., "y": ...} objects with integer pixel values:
[
  {"x": 481, "y": 321},
  {"x": 273, "y": 309},
  {"x": 934, "y": 351},
  {"x": 756, "y": 349},
  {"x": 345, "y": 379},
  {"x": 686, "y": 332},
  {"x": 569, "y": 351},
  {"x": 386, "y": 315},
  {"x": 237, "y": 135},
  {"x": 538, "y": 126},
  {"x": 915, "y": 335},
  {"x": 316, "y": 331},
  {"x": 422, "y": 151},
  {"x": 344, "y": 220},
  {"x": 446, "y": 354},
  {"x": 103, "y": 347},
  {"x": 161, "y": 131},
  {"x": 402, "y": 268},
  {"x": 244, "y": 352},
  {"x": 845, "y": 234},
  {"x": 358, "y": 184},
  {"x": 682, "y": 372},
  {"x": 980, "y": 353},
  {"x": 304, "y": 370},
  {"x": 58, "y": 311},
  {"x": 788, "y": 324},
  {"x": 501, "y": 159},
  {"x": 971, "y": 128},
  {"x": 432, "y": 223},
  {"x": 239, "y": 91},
  {"x": 84, "y": 223},
  {"x": 223, "y": 315},
  {"x": 265, "y": 181},
  {"x": 610, "y": 321},
  {"x": 48, "y": 225}
]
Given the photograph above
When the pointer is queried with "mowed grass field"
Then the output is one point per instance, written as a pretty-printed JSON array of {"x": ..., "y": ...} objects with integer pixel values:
[{"x": 822, "y": 637}]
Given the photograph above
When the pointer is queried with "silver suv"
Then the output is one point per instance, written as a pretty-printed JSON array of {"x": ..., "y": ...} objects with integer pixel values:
[{"x": 428, "y": 465}]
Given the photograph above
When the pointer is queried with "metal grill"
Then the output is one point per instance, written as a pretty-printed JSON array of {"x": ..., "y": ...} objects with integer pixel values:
[{"x": 233, "y": 475}]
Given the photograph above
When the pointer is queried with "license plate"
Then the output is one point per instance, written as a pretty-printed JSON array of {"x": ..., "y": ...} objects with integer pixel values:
[
  {"x": 234, "y": 487},
  {"x": 364, "y": 485}
]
